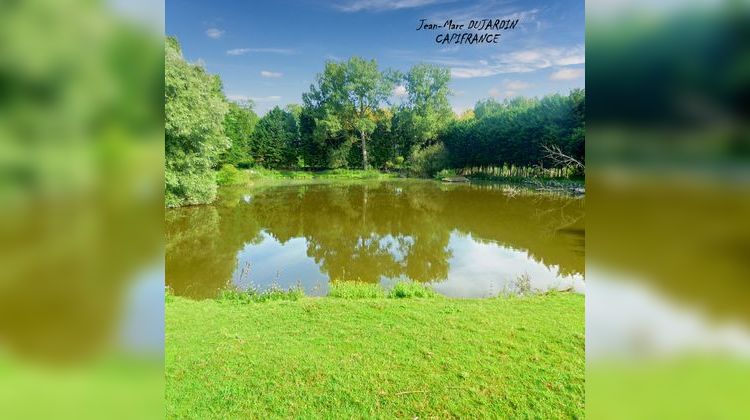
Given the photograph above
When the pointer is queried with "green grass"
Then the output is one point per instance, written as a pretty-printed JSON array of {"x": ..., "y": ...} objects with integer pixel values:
[
  {"x": 411, "y": 290},
  {"x": 253, "y": 295},
  {"x": 355, "y": 290},
  {"x": 376, "y": 358},
  {"x": 261, "y": 173},
  {"x": 677, "y": 387},
  {"x": 359, "y": 290}
]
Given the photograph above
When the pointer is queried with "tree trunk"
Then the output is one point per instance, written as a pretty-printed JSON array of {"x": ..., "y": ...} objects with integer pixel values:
[{"x": 364, "y": 150}]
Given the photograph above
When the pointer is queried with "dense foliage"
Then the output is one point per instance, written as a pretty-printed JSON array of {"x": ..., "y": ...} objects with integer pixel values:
[
  {"x": 194, "y": 129},
  {"x": 516, "y": 131},
  {"x": 345, "y": 103},
  {"x": 427, "y": 112},
  {"x": 239, "y": 125},
  {"x": 276, "y": 140}
]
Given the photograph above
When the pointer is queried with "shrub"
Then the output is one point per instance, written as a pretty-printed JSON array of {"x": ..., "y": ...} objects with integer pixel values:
[
  {"x": 253, "y": 295},
  {"x": 445, "y": 173},
  {"x": 428, "y": 161},
  {"x": 229, "y": 175},
  {"x": 411, "y": 290},
  {"x": 522, "y": 285}
]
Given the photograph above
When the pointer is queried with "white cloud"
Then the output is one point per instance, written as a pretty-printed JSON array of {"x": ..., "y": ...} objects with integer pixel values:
[
  {"x": 399, "y": 91},
  {"x": 272, "y": 98},
  {"x": 200, "y": 62},
  {"x": 527, "y": 56},
  {"x": 566, "y": 74},
  {"x": 381, "y": 5},
  {"x": 470, "y": 73},
  {"x": 243, "y": 51},
  {"x": 449, "y": 49},
  {"x": 238, "y": 51},
  {"x": 214, "y": 33},
  {"x": 500, "y": 9},
  {"x": 517, "y": 85},
  {"x": 271, "y": 74},
  {"x": 522, "y": 61},
  {"x": 244, "y": 98},
  {"x": 546, "y": 57},
  {"x": 502, "y": 94}
]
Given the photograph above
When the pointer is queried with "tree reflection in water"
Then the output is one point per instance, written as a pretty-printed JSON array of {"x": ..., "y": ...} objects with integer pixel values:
[{"x": 370, "y": 232}]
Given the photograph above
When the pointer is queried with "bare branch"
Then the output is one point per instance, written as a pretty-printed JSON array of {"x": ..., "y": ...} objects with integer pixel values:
[{"x": 556, "y": 155}]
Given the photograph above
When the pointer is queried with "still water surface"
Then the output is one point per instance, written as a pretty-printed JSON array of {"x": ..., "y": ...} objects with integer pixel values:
[{"x": 464, "y": 240}]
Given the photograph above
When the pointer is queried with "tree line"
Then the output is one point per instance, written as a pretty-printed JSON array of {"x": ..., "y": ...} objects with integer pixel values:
[{"x": 354, "y": 115}]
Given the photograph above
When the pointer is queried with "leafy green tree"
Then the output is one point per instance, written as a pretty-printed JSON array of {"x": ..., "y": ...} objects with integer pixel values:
[
  {"x": 517, "y": 131},
  {"x": 382, "y": 148},
  {"x": 239, "y": 124},
  {"x": 194, "y": 129},
  {"x": 345, "y": 98},
  {"x": 428, "y": 110},
  {"x": 293, "y": 156},
  {"x": 312, "y": 152},
  {"x": 275, "y": 138}
]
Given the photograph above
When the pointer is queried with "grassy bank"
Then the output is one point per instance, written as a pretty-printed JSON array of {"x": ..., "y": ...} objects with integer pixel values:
[
  {"x": 229, "y": 175},
  {"x": 370, "y": 354},
  {"x": 232, "y": 176}
]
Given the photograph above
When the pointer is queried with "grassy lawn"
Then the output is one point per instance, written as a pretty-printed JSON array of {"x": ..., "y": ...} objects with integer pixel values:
[
  {"x": 366, "y": 356},
  {"x": 678, "y": 387}
]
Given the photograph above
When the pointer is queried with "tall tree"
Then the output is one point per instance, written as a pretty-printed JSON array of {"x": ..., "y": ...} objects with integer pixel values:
[
  {"x": 239, "y": 124},
  {"x": 427, "y": 111},
  {"x": 347, "y": 95},
  {"x": 194, "y": 131},
  {"x": 275, "y": 136}
]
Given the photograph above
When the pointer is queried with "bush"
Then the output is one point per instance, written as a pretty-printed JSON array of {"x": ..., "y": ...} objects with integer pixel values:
[
  {"x": 189, "y": 188},
  {"x": 411, "y": 290},
  {"x": 446, "y": 173},
  {"x": 229, "y": 175},
  {"x": 428, "y": 161},
  {"x": 253, "y": 295},
  {"x": 355, "y": 290}
]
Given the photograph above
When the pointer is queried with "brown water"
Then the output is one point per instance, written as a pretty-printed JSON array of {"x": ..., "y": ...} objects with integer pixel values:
[{"x": 465, "y": 240}]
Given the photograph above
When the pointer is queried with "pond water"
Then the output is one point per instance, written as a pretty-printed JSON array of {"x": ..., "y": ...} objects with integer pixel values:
[{"x": 464, "y": 240}]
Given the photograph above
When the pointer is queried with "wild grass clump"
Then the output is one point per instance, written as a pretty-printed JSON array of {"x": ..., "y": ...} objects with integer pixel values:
[
  {"x": 355, "y": 290},
  {"x": 403, "y": 290},
  {"x": 360, "y": 290},
  {"x": 273, "y": 293},
  {"x": 521, "y": 286}
]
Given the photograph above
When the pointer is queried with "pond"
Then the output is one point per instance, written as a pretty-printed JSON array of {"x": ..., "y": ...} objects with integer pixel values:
[{"x": 467, "y": 240}]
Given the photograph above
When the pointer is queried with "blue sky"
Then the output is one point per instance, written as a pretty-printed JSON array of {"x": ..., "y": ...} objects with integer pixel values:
[{"x": 270, "y": 51}]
